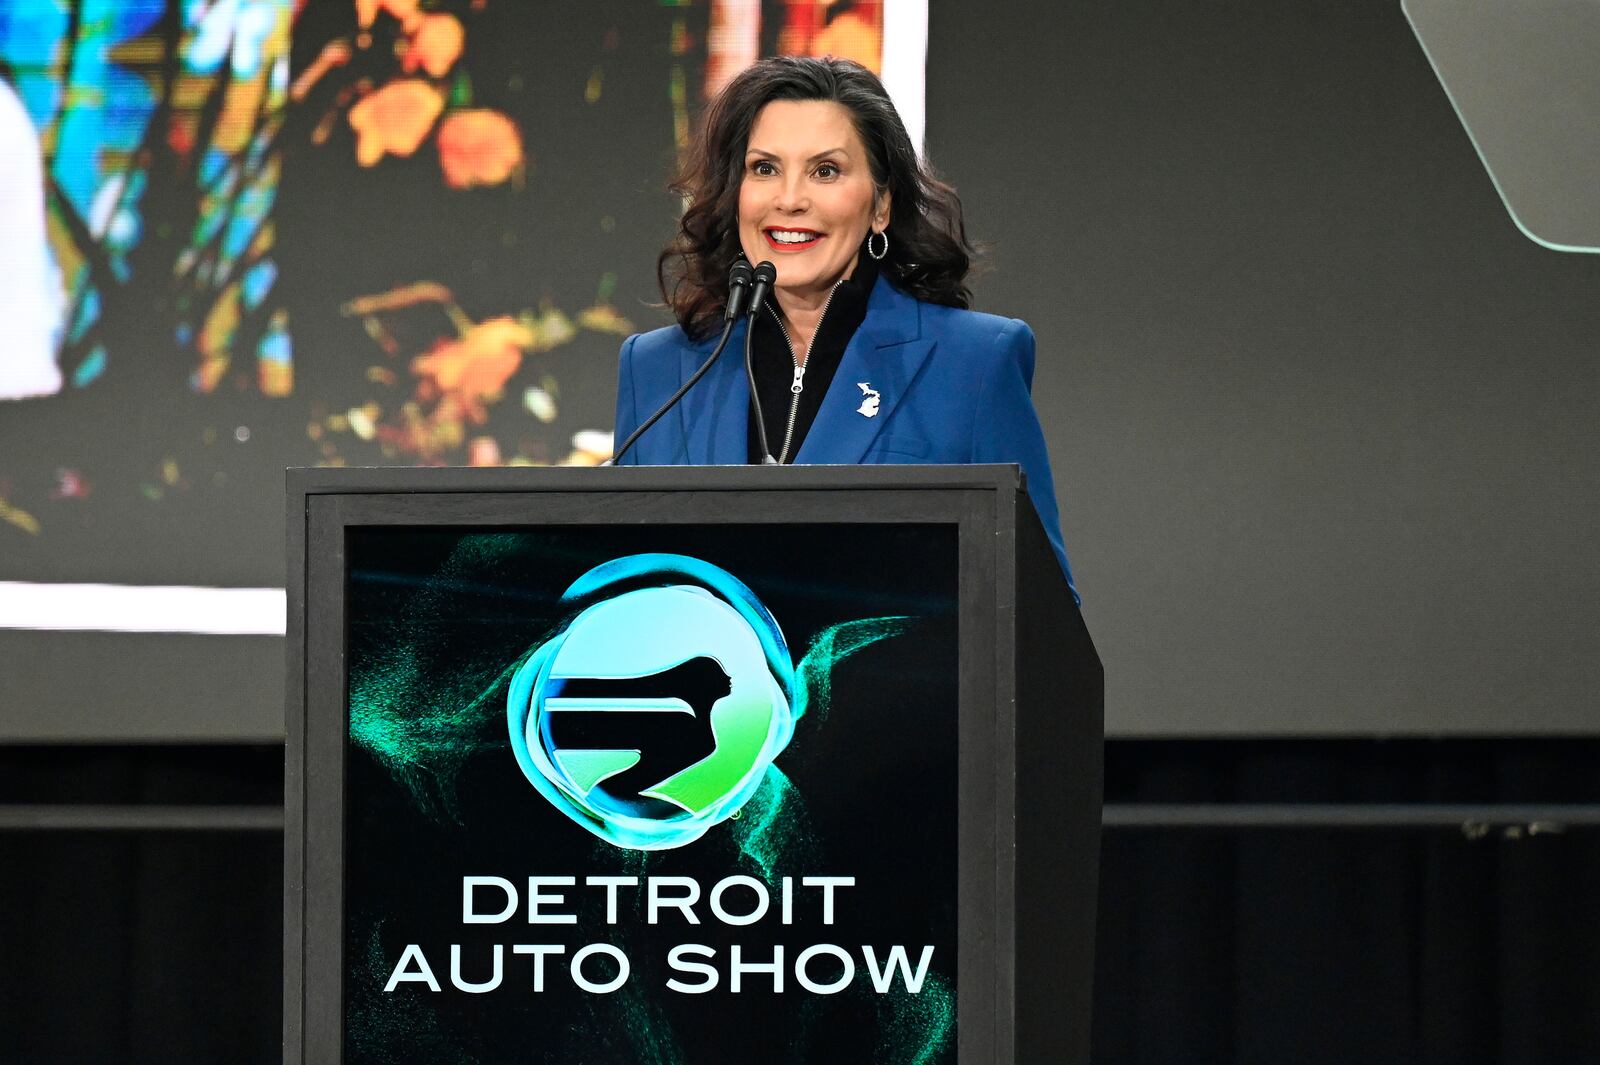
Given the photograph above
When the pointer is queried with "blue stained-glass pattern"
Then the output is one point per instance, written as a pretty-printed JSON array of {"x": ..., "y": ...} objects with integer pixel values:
[
  {"x": 90, "y": 368},
  {"x": 258, "y": 282},
  {"x": 131, "y": 143}
]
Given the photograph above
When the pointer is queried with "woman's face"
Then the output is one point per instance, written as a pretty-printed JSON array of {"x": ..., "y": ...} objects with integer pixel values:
[{"x": 807, "y": 199}]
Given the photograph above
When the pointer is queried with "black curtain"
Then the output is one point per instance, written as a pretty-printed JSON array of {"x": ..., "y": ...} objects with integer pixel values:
[
  {"x": 1342, "y": 945},
  {"x": 1270, "y": 946},
  {"x": 139, "y": 947}
]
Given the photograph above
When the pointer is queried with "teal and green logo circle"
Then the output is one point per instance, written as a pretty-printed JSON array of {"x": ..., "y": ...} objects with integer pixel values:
[{"x": 653, "y": 713}]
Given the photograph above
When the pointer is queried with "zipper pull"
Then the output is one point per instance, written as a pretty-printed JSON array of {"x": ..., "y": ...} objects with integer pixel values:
[{"x": 799, "y": 372}]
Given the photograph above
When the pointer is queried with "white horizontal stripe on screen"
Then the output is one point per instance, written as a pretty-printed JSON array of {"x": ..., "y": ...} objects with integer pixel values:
[{"x": 131, "y": 608}]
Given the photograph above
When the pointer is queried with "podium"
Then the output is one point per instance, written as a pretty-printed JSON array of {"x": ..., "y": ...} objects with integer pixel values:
[{"x": 685, "y": 766}]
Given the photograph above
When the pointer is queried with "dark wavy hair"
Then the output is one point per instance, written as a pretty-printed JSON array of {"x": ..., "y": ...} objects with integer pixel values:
[{"x": 929, "y": 254}]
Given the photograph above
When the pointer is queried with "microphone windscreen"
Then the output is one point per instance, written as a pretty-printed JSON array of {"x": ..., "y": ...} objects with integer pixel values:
[{"x": 739, "y": 275}]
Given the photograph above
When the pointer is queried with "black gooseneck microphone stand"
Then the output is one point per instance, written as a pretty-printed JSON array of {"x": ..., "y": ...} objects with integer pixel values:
[
  {"x": 765, "y": 276},
  {"x": 738, "y": 286}
]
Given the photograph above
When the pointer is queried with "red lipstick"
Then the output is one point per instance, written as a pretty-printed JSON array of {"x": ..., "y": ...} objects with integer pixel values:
[{"x": 783, "y": 246}]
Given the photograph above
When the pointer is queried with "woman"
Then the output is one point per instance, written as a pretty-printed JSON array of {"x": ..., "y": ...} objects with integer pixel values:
[{"x": 866, "y": 351}]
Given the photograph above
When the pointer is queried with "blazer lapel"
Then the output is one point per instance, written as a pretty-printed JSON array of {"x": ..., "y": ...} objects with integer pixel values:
[
  {"x": 715, "y": 413},
  {"x": 884, "y": 356}
]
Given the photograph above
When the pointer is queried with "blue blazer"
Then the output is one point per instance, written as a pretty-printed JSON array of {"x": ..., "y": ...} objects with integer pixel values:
[{"x": 952, "y": 386}]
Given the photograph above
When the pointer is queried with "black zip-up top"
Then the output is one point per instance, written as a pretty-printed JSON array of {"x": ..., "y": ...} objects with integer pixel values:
[{"x": 790, "y": 399}]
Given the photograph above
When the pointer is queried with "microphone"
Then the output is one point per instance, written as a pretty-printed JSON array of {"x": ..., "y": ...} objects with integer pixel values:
[
  {"x": 739, "y": 278},
  {"x": 765, "y": 276},
  {"x": 738, "y": 283}
]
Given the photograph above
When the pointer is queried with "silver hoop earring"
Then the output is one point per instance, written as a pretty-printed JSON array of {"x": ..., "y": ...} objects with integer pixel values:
[{"x": 885, "y": 250}]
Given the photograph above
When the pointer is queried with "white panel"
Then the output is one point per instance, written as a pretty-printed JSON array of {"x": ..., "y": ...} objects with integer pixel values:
[
  {"x": 123, "y": 608},
  {"x": 905, "y": 62}
]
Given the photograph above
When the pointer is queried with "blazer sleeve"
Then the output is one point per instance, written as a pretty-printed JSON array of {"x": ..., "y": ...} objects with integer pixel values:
[
  {"x": 1006, "y": 429},
  {"x": 627, "y": 411}
]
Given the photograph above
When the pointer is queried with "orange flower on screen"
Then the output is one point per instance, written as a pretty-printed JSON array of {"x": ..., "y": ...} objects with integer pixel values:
[
  {"x": 394, "y": 119},
  {"x": 478, "y": 147},
  {"x": 435, "y": 46},
  {"x": 404, "y": 10},
  {"x": 851, "y": 37},
  {"x": 474, "y": 368}
]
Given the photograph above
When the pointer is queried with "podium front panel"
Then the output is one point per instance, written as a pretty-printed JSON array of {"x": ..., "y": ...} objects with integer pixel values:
[
  {"x": 552, "y": 881},
  {"x": 654, "y": 774}
]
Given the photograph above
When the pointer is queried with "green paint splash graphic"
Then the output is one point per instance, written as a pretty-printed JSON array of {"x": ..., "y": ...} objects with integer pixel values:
[
  {"x": 422, "y": 732},
  {"x": 422, "y": 721},
  {"x": 772, "y": 831},
  {"x": 917, "y": 1029},
  {"x": 814, "y": 675},
  {"x": 628, "y": 862},
  {"x": 382, "y": 1028},
  {"x": 775, "y": 834},
  {"x": 638, "y": 1021},
  {"x": 633, "y": 1023}
]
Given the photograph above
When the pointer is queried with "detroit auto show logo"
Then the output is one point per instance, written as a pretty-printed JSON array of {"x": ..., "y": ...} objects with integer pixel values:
[{"x": 653, "y": 713}]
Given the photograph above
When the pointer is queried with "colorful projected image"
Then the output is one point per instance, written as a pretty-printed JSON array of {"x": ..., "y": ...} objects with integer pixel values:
[
  {"x": 156, "y": 131},
  {"x": 248, "y": 234},
  {"x": 142, "y": 163}
]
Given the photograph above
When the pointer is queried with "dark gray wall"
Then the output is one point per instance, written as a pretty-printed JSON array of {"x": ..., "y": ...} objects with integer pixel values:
[
  {"x": 1321, "y": 416},
  {"x": 1322, "y": 419}
]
